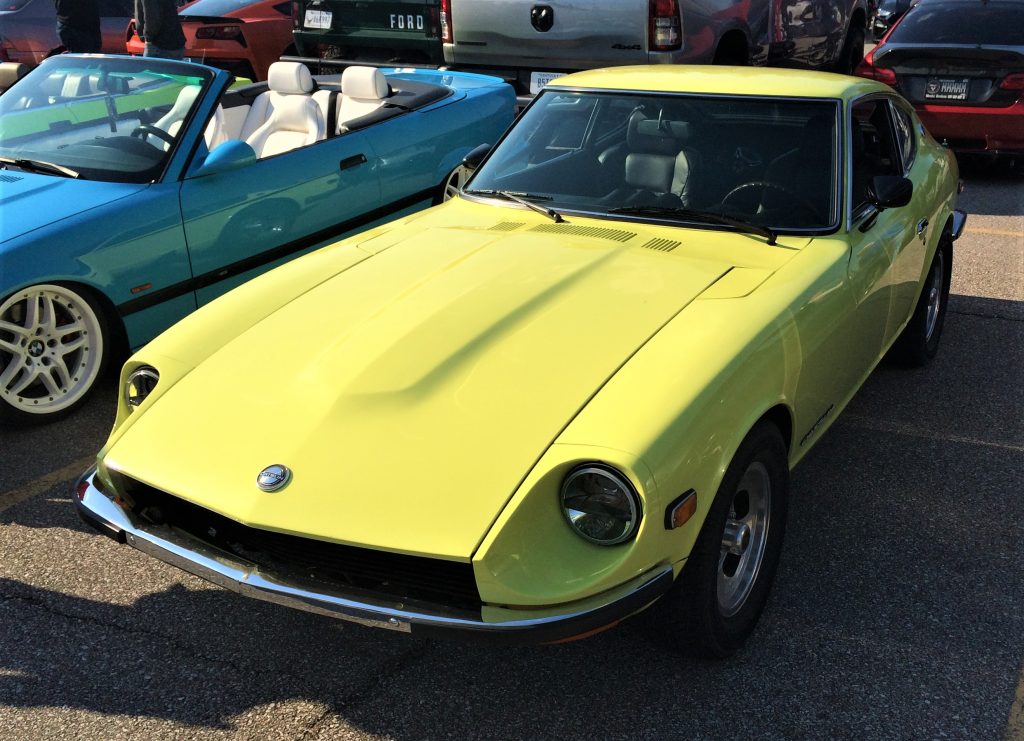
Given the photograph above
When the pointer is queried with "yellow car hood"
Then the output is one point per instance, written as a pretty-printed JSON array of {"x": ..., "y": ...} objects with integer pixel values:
[{"x": 412, "y": 393}]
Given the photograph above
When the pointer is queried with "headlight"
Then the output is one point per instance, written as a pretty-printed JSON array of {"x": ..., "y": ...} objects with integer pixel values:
[
  {"x": 139, "y": 385},
  {"x": 600, "y": 504}
]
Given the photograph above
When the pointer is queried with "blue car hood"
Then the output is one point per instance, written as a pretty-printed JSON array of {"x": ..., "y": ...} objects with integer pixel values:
[{"x": 29, "y": 201}]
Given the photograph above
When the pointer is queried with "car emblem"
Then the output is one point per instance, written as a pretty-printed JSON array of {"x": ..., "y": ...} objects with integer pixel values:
[
  {"x": 542, "y": 17},
  {"x": 933, "y": 87},
  {"x": 273, "y": 477}
]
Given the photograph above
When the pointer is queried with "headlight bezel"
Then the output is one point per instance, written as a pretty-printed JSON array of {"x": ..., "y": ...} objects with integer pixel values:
[
  {"x": 621, "y": 481},
  {"x": 146, "y": 373}
]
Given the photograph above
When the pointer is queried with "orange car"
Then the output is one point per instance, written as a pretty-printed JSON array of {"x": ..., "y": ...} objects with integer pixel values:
[{"x": 240, "y": 36}]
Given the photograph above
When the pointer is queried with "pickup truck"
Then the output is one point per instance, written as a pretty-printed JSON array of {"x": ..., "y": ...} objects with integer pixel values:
[
  {"x": 369, "y": 30},
  {"x": 530, "y": 43}
]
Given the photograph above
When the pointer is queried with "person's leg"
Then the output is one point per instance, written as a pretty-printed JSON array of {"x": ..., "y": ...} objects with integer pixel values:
[{"x": 155, "y": 51}]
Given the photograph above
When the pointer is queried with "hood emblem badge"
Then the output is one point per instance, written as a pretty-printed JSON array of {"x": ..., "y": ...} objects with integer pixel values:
[{"x": 273, "y": 478}]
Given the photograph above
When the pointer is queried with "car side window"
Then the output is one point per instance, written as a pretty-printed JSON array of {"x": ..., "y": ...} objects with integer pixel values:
[
  {"x": 905, "y": 136},
  {"x": 874, "y": 149}
]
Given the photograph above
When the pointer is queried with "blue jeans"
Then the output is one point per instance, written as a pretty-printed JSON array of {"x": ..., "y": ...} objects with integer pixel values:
[{"x": 156, "y": 51}]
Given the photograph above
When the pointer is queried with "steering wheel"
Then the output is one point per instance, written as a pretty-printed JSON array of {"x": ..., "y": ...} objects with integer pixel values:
[
  {"x": 144, "y": 129},
  {"x": 800, "y": 200}
]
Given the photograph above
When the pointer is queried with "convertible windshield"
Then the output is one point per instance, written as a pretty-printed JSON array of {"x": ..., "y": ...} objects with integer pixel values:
[
  {"x": 98, "y": 118},
  {"x": 762, "y": 163}
]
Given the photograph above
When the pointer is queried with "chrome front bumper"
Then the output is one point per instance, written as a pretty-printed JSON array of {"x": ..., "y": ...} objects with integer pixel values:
[{"x": 229, "y": 571}]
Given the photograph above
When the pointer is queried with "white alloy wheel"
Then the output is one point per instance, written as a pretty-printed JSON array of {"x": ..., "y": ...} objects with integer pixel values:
[
  {"x": 456, "y": 180},
  {"x": 51, "y": 349}
]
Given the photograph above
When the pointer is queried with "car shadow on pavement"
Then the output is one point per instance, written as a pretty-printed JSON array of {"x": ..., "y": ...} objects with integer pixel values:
[
  {"x": 895, "y": 613},
  {"x": 992, "y": 187}
]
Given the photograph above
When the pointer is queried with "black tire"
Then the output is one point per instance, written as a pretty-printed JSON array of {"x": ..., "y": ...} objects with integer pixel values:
[
  {"x": 919, "y": 341},
  {"x": 697, "y": 616},
  {"x": 852, "y": 52},
  {"x": 52, "y": 353}
]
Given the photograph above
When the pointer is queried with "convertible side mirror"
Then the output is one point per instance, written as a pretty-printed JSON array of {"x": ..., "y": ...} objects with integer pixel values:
[
  {"x": 890, "y": 191},
  {"x": 231, "y": 155},
  {"x": 476, "y": 156}
]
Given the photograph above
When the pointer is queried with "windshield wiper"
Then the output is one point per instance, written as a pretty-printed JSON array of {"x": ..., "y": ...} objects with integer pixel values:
[
  {"x": 521, "y": 198},
  {"x": 40, "y": 166},
  {"x": 691, "y": 215}
]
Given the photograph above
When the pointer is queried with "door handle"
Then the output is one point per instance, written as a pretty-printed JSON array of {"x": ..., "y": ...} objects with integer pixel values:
[
  {"x": 921, "y": 226},
  {"x": 354, "y": 161}
]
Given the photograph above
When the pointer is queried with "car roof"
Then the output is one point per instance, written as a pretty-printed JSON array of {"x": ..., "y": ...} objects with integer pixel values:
[{"x": 706, "y": 79}]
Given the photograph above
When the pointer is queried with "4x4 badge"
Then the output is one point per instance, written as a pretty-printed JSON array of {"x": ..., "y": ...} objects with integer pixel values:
[{"x": 273, "y": 477}]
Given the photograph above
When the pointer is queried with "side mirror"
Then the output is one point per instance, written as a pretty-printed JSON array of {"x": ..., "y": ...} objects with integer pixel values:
[
  {"x": 231, "y": 155},
  {"x": 476, "y": 156},
  {"x": 890, "y": 191}
]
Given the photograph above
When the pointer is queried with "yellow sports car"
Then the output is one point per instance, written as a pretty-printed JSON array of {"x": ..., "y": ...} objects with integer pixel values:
[{"x": 574, "y": 389}]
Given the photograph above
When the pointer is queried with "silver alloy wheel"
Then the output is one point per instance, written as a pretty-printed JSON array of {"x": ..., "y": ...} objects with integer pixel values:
[
  {"x": 455, "y": 181},
  {"x": 934, "y": 296},
  {"x": 51, "y": 349},
  {"x": 744, "y": 539}
]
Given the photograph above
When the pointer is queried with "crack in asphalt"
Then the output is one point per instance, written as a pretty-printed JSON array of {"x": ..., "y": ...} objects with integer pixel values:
[
  {"x": 864, "y": 422},
  {"x": 390, "y": 669},
  {"x": 980, "y": 315}
]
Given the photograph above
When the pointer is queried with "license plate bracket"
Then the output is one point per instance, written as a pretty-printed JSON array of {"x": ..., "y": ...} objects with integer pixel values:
[{"x": 946, "y": 88}]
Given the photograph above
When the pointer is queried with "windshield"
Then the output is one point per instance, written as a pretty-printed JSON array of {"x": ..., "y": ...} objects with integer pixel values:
[
  {"x": 105, "y": 118},
  {"x": 993, "y": 24},
  {"x": 769, "y": 162}
]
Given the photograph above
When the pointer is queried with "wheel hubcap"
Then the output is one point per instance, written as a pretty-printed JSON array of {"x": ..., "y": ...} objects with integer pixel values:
[
  {"x": 743, "y": 539},
  {"x": 455, "y": 182},
  {"x": 50, "y": 349},
  {"x": 934, "y": 296}
]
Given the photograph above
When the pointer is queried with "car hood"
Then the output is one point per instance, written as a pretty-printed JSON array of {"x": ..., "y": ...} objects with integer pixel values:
[
  {"x": 30, "y": 201},
  {"x": 411, "y": 394}
]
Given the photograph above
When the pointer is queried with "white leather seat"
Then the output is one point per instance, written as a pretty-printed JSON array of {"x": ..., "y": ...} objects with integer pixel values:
[
  {"x": 172, "y": 120},
  {"x": 284, "y": 117},
  {"x": 363, "y": 90}
]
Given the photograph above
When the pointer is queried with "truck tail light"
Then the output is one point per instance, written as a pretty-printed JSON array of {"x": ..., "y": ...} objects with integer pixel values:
[
  {"x": 447, "y": 35},
  {"x": 666, "y": 32},
  {"x": 295, "y": 14}
]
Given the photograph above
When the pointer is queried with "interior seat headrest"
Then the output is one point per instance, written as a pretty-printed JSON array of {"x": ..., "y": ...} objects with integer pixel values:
[
  {"x": 289, "y": 78},
  {"x": 364, "y": 82}
]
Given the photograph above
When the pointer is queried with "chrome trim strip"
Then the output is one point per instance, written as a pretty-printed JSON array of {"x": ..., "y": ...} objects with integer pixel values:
[
  {"x": 959, "y": 221},
  {"x": 230, "y": 572}
]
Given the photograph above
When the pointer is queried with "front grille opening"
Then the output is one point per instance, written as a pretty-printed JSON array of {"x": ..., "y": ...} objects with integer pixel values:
[{"x": 392, "y": 576}]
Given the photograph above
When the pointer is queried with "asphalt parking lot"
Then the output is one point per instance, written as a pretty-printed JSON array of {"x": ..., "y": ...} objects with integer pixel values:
[{"x": 896, "y": 612}]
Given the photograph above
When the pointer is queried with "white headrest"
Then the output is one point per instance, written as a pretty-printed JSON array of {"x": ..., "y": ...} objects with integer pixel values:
[
  {"x": 364, "y": 82},
  {"x": 289, "y": 78}
]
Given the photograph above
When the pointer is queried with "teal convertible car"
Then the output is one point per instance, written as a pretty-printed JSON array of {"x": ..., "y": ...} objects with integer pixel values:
[{"x": 133, "y": 190}]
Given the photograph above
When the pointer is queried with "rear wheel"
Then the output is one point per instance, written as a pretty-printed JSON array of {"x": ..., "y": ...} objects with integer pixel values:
[
  {"x": 53, "y": 347},
  {"x": 452, "y": 184},
  {"x": 716, "y": 602},
  {"x": 852, "y": 52},
  {"x": 919, "y": 341}
]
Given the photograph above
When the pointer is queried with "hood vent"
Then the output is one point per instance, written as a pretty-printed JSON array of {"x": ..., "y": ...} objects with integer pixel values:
[
  {"x": 662, "y": 245},
  {"x": 506, "y": 226},
  {"x": 615, "y": 235},
  {"x": 10, "y": 178}
]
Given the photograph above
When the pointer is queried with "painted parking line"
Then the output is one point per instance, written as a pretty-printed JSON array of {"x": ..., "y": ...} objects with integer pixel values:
[
  {"x": 994, "y": 232},
  {"x": 45, "y": 482}
]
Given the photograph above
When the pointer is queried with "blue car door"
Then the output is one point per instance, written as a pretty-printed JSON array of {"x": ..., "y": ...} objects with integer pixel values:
[{"x": 243, "y": 221}]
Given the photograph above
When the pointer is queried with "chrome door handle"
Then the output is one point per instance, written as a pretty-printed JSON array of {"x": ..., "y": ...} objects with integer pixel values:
[{"x": 921, "y": 226}]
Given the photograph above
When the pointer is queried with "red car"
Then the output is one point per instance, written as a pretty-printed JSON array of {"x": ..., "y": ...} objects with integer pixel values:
[
  {"x": 961, "y": 63},
  {"x": 240, "y": 36}
]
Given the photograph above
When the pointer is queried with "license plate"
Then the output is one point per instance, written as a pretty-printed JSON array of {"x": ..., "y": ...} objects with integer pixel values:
[
  {"x": 939, "y": 88},
  {"x": 406, "y": 22},
  {"x": 317, "y": 19},
  {"x": 539, "y": 79}
]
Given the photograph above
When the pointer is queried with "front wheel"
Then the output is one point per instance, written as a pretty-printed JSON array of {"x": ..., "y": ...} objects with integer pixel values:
[
  {"x": 919, "y": 341},
  {"x": 52, "y": 350},
  {"x": 716, "y": 602}
]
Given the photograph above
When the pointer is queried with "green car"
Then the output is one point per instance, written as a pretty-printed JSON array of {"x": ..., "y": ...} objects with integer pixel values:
[{"x": 369, "y": 30}]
